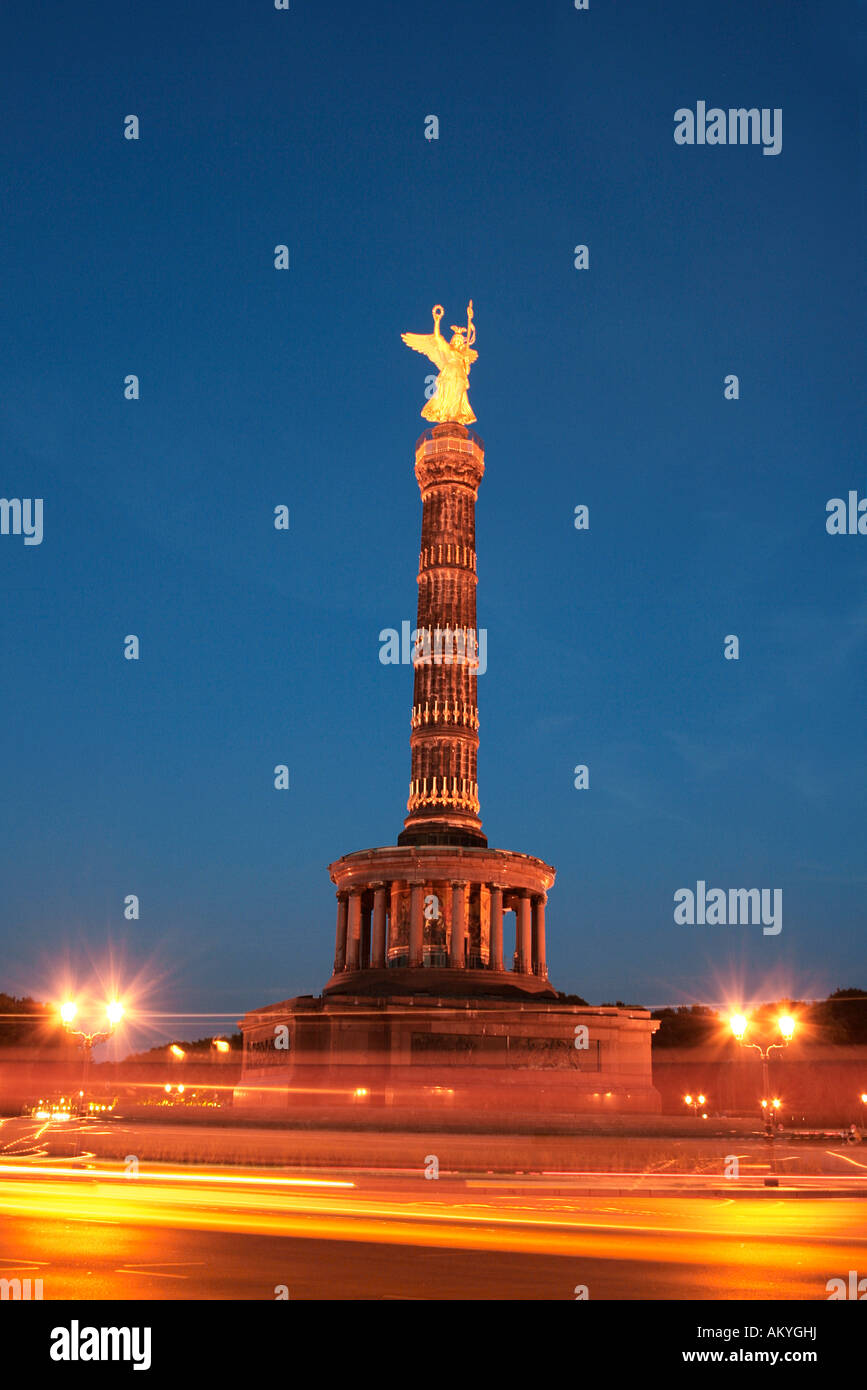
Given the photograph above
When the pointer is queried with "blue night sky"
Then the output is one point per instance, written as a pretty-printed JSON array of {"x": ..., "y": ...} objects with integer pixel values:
[{"x": 260, "y": 387}]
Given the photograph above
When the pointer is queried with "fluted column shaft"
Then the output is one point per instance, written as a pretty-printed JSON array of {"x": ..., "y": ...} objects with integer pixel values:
[
  {"x": 416, "y": 924},
  {"x": 393, "y": 914},
  {"x": 540, "y": 966},
  {"x": 459, "y": 925},
  {"x": 523, "y": 932},
  {"x": 443, "y": 791},
  {"x": 378, "y": 961},
  {"x": 340, "y": 942},
  {"x": 365, "y": 933},
  {"x": 353, "y": 943},
  {"x": 496, "y": 955}
]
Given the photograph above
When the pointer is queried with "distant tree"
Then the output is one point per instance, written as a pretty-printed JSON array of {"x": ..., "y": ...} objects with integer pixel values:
[
  {"x": 688, "y": 1026},
  {"x": 842, "y": 1017},
  {"x": 37, "y": 1025}
]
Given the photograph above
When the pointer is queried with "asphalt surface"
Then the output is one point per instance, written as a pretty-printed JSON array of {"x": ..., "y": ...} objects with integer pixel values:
[{"x": 96, "y": 1232}]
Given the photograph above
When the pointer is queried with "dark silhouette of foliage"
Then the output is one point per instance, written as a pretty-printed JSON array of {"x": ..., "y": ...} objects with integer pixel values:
[
  {"x": 688, "y": 1026},
  {"x": 842, "y": 1017},
  {"x": 37, "y": 1026}
]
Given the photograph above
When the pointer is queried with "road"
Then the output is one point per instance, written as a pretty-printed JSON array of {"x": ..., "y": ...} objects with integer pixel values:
[{"x": 94, "y": 1232}]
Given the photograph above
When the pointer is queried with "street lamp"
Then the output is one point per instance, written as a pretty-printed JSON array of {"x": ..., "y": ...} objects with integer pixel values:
[
  {"x": 68, "y": 1012},
  {"x": 694, "y": 1102},
  {"x": 786, "y": 1025}
]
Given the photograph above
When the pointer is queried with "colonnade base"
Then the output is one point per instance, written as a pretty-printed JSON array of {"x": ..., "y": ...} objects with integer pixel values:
[{"x": 438, "y": 910}]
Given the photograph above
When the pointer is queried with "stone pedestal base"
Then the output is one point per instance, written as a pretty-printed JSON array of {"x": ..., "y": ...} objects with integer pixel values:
[{"x": 428, "y": 1058}]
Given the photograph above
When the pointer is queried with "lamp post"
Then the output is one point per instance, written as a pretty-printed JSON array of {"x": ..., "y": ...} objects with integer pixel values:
[
  {"x": 694, "y": 1102},
  {"x": 68, "y": 1012},
  {"x": 178, "y": 1055},
  {"x": 786, "y": 1024}
]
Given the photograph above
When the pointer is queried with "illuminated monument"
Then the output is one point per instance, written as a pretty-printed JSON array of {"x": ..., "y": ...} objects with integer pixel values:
[
  {"x": 426, "y": 915},
  {"x": 426, "y": 984}
]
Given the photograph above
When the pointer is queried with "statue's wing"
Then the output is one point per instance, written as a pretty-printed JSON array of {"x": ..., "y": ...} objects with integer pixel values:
[{"x": 430, "y": 344}]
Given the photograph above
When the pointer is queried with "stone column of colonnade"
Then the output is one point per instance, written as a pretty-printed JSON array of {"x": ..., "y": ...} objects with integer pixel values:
[
  {"x": 495, "y": 959},
  {"x": 340, "y": 944},
  {"x": 378, "y": 939},
  {"x": 353, "y": 931},
  {"x": 540, "y": 966},
  {"x": 416, "y": 922},
  {"x": 363, "y": 935},
  {"x": 394, "y": 893},
  {"x": 459, "y": 925},
  {"x": 523, "y": 932}
]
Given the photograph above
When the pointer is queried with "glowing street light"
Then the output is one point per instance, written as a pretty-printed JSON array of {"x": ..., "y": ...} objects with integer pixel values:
[
  {"x": 694, "y": 1103},
  {"x": 68, "y": 1012},
  {"x": 786, "y": 1025},
  {"x": 177, "y": 1052},
  {"x": 221, "y": 1045}
]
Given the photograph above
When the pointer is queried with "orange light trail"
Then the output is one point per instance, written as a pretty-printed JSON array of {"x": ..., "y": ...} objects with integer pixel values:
[
  {"x": 740, "y": 1234},
  {"x": 122, "y": 1175}
]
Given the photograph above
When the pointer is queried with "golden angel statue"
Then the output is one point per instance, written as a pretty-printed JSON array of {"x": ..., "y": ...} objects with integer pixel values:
[{"x": 454, "y": 359}]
